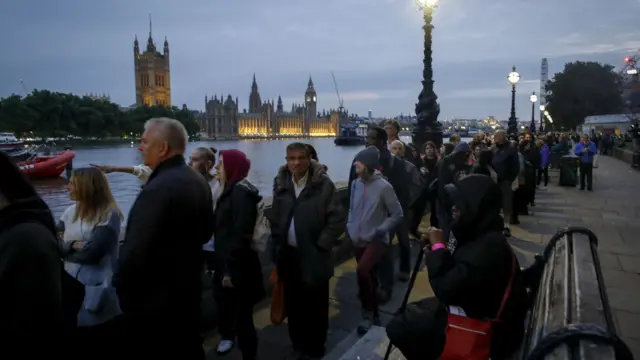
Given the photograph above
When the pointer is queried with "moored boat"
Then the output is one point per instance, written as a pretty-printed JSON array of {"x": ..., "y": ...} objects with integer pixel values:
[
  {"x": 351, "y": 134},
  {"x": 13, "y": 147},
  {"x": 47, "y": 166},
  {"x": 9, "y": 141}
]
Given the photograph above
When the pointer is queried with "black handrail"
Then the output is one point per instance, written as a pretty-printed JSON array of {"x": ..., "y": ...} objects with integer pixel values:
[{"x": 572, "y": 334}]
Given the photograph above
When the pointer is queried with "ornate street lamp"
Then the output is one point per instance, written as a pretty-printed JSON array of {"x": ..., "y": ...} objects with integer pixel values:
[
  {"x": 427, "y": 109},
  {"x": 534, "y": 99},
  {"x": 542, "y": 121},
  {"x": 513, "y": 78}
]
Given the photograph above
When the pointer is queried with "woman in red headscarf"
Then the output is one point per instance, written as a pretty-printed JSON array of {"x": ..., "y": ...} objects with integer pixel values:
[{"x": 238, "y": 275}]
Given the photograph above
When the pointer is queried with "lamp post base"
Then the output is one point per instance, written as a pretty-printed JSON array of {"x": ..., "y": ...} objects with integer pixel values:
[{"x": 420, "y": 137}]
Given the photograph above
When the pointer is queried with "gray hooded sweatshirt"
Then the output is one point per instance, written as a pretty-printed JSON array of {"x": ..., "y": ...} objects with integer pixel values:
[{"x": 374, "y": 208}]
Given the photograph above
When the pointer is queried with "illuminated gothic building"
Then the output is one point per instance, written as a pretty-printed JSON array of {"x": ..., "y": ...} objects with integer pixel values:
[
  {"x": 153, "y": 81},
  {"x": 223, "y": 119}
]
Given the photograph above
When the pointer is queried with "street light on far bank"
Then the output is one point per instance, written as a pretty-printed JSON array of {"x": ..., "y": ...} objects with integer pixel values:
[{"x": 513, "y": 78}]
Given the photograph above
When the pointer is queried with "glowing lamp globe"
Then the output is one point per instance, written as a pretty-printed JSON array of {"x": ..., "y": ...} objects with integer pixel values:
[
  {"x": 423, "y": 4},
  {"x": 513, "y": 77},
  {"x": 542, "y": 107},
  {"x": 533, "y": 98}
]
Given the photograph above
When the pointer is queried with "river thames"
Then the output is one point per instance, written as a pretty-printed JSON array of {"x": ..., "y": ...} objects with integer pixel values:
[{"x": 266, "y": 157}]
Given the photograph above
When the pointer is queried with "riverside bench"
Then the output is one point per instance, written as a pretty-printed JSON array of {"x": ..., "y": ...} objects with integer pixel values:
[{"x": 570, "y": 318}]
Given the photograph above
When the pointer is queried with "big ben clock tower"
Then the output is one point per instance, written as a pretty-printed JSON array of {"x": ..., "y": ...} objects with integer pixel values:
[{"x": 310, "y": 101}]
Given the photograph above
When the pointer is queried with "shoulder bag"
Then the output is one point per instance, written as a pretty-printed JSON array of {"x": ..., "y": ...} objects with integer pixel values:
[{"x": 470, "y": 339}]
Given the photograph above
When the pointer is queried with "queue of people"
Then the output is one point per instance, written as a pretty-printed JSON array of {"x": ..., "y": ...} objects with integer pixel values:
[{"x": 82, "y": 282}]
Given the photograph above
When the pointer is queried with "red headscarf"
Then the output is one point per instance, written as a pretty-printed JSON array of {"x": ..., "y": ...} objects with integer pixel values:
[{"x": 236, "y": 165}]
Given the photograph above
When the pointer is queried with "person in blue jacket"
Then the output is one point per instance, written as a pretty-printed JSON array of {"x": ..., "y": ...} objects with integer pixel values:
[{"x": 585, "y": 150}]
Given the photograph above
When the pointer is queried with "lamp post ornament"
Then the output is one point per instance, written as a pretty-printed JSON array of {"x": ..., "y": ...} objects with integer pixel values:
[{"x": 428, "y": 128}]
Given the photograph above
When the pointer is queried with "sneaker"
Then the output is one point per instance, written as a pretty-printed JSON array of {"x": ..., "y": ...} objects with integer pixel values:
[
  {"x": 366, "y": 323},
  {"x": 224, "y": 346}
]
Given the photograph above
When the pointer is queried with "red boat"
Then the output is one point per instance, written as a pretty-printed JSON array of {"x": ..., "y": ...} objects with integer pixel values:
[{"x": 47, "y": 166}]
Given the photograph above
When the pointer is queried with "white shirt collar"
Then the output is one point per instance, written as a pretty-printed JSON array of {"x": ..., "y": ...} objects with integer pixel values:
[{"x": 302, "y": 182}]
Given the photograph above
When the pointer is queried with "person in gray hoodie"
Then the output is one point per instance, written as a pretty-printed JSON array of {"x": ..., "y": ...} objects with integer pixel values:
[{"x": 374, "y": 211}]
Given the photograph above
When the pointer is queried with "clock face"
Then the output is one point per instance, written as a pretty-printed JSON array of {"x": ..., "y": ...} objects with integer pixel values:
[
  {"x": 308, "y": 98},
  {"x": 314, "y": 98}
]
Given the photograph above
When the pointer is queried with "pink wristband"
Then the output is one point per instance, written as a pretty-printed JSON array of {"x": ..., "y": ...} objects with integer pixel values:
[{"x": 437, "y": 246}]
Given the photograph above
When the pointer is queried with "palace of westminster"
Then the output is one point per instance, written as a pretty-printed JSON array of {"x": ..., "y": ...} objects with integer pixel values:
[{"x": 222, "y": 118}]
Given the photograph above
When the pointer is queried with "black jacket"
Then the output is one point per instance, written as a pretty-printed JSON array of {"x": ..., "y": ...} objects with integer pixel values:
[
  {"x": 395, "y": 171},
  {"x": 475, "y": 276},
  {"x": 505, "y": 162},
  {"x": 30, "y": 277},
  {"x": 235, "y": 220},
  {"x": 450, "y": 170},
  {"x": 159, "y": 273},
  {"x": 319, "y": 221}
]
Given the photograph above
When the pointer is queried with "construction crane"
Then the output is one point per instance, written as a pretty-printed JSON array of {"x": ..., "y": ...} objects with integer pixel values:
[
  {"x": 340, "y": 101},
  {"x": 24, "y": 88}
]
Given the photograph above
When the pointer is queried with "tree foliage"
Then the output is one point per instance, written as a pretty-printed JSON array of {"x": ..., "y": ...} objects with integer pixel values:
[
  {"x": 52, "y": 114},
  {"x": 583, "y": 89}
]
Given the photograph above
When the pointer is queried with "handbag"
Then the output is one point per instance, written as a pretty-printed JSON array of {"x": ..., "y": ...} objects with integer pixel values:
[
  {"x": 470, "y": 339},
  {"x": 278, "y": 311}
]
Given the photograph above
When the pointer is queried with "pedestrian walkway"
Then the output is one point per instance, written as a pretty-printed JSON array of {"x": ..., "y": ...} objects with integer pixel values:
[{"x": 612, "y": 211}]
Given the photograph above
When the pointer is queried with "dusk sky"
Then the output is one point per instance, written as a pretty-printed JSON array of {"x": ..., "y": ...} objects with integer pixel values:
[{"x": 374, "y": 48}]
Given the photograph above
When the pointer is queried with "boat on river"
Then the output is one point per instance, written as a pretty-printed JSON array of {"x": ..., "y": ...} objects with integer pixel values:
[
  {"x": 351, "y": 134},
  {"x": 47, "y": 166},
  {"x": 13, "y": 147}
]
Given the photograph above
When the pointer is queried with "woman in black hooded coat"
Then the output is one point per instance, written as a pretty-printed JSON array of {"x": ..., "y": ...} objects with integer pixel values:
[
  {"x": 471, "y": 273},
  {"x": 32, "y": 298}
]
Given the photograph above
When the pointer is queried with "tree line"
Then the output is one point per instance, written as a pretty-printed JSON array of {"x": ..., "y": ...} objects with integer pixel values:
[
  {"x": 584, "y": 89},
  {"x": 47, "y": 114}
]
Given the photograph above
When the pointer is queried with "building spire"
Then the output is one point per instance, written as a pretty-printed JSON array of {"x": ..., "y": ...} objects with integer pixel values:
[
  {"x": 151, "y": 47},
  {"x": 310, "y": 85}
]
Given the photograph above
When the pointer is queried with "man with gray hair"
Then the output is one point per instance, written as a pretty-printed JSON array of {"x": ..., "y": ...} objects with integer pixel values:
[{"x": 158, "y": 280}]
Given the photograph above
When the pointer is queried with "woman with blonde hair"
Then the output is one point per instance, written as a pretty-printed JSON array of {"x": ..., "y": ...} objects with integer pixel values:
[{"x": 91, "y": 227}]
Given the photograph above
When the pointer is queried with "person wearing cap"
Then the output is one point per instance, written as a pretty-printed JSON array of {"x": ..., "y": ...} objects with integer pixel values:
[{"x": 374, "y": 211}]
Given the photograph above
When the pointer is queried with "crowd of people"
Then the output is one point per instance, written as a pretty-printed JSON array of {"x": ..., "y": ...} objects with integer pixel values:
[{"x": 102, "y": 292}]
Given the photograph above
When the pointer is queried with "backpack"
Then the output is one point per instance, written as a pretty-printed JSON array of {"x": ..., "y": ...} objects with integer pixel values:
[
  {"x": 261, "y": 231},
  {"x": 262, "y": 228}
]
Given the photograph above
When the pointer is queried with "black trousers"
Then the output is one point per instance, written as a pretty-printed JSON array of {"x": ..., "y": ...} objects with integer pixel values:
[
  {"x": 235, "y": 317},
  {"x": 307, "y": 306},
  {"x": 586, "y": 172},
  {"x": 543, "y": 172}
]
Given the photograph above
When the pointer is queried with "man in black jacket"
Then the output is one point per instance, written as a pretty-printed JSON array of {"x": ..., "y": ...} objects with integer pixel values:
[
  {"x": 159, "y": 277},
  {"x": 306, "y": 219},
  {"x": 507, "y": 166},
  {"x": 394, "y": 170}
]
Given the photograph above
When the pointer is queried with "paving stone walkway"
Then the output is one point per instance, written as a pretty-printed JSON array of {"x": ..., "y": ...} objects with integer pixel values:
[{"x": 612, "y": 211}]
